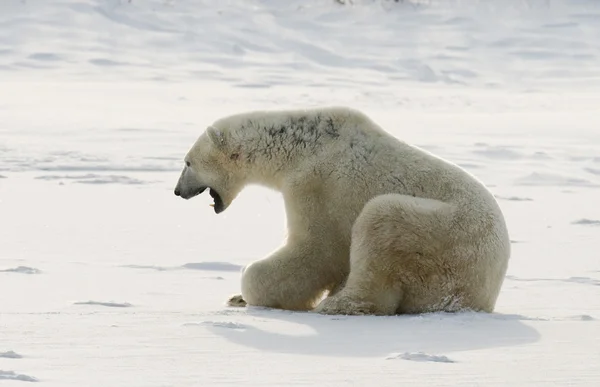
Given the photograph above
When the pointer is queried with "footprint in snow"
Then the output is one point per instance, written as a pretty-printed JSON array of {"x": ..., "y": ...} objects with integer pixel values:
[
  {"x": 109, "y": 304},
  {"x": 420, "y": 356},
  {"x": 12, "y": 375},
  {"x": 10, "y": 355}
]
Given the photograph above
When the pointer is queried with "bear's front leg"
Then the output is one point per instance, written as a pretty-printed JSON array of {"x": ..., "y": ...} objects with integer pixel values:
[{"x": 292, "y": 278}]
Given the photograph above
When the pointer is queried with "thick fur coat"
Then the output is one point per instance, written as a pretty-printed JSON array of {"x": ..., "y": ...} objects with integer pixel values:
[{"x": 375, "y": 225}]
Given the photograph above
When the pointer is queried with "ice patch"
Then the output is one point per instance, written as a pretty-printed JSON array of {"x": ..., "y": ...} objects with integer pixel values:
[
  {"x": 10, "y": 355},
  {"x": 420, "y": 356},
  {"x": 22, "y": 269},
  {"x": 109, "y": 304},
  {"x": 213, "y": 266},
  {"x": 219, "y": 324},
  {"x": 587, "y": 222},
  {"x": 11, "y": 375}
]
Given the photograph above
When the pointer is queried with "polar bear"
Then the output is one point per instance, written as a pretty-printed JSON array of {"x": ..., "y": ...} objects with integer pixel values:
[{"x": 375, "y": 225}]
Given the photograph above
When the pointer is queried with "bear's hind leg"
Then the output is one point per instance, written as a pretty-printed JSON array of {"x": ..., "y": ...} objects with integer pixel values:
[{"x": 395, "y": 258}]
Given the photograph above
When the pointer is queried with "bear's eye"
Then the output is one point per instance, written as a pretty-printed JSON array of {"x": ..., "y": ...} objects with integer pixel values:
[{"x": 187, "y": 163}]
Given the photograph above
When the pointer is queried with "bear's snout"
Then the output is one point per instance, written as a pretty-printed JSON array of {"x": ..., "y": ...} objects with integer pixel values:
[{"x": 187, "y": 192}]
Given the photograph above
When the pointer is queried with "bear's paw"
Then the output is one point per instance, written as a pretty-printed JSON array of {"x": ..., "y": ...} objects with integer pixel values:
[{"x": 236, "y": 301}]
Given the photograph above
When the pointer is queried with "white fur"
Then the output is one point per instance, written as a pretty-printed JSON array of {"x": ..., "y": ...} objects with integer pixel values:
[{"x": 377, "y": 225}]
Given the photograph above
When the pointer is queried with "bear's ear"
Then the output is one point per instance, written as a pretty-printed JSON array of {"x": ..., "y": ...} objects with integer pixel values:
[{"x": 216, "y": 136}]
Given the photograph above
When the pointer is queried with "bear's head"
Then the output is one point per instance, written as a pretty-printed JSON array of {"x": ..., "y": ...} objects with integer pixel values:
[{"x": 211, "y": 164}]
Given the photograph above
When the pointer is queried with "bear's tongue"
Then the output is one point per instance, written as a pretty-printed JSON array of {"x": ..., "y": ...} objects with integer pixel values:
[{"x": 218, "y": 204}]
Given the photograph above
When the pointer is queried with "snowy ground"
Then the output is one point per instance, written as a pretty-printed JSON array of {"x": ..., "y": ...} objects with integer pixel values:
[{"x": 108, "y": 279}]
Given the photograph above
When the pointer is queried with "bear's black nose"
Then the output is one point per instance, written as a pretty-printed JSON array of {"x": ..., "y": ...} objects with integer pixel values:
[{"x": 177, "y": 192}]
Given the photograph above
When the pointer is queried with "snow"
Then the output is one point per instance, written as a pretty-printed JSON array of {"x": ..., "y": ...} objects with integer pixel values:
[
  {"x": 10, "y": 375},
  {"x": 420, "y": 356},
  {"x": 104, "y": 303},
  {"x": 101, "y": 99},
  {"x": 10, "y": 355},
  {"x": 21, "y": 269}
]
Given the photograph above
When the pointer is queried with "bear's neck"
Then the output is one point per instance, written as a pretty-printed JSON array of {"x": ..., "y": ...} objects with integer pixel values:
[{"x": 276, "y": 147}]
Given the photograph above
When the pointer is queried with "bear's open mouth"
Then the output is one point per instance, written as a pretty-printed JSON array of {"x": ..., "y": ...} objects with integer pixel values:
[{"x": 218, "y": 202}]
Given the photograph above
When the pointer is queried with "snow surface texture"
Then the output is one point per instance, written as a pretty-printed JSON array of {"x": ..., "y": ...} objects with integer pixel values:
[
  {"x": 10, "y": 355},
  {"x": 11, "y": 375},
  {"x": 101, "y": 99},
  {"x": 420, "y": 356}
]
